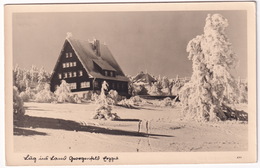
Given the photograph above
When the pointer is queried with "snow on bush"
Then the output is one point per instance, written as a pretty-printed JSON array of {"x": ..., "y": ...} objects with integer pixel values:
[
  {"x": 132, "y": 102},
  {"x": 45, "y": 95},
  {"x": 77, "y": 99},
  {"x": 137, "y": 100},
  {"x": 24, "y": 96},
  {"x": 166, "y": 102},
  {"x": 128, "y": 103},
  {"x": 113, "y": 95},
  {"x": 27, "y": 95},
  {"x": 18, "y": 108},
  {"x": 87, "y": 95},
  {"x": 94, "y": 97},
  {"x": 211, "y": 87},
  {"x": 103, "y": 111},
  {"x": 155, "y": 90},
  {"x": 62, "y": 93}
]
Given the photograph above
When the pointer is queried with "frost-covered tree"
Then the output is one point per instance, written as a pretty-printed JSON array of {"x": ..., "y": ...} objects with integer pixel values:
[
  {"x": 45, "y": 95},
  {"x": 42, "y": 76},
  {"x": 18, "y": 108},
  {"x": 165, "y": 86},
  {"x": 62, "y": 93},
  {"x": 103, "y": 111},
  {"x": 212, "y": 87},
  {"x": 154, "y": 91},
  {"x": 243, "y": 92},
  {"x": 34, "y": 73},
  {"x": 28, "y": 94}
]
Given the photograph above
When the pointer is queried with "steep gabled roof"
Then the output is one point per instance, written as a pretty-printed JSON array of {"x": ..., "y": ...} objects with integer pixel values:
[
  {"x": 87, "y": 56},
  {"x": 143, "y": 78}
]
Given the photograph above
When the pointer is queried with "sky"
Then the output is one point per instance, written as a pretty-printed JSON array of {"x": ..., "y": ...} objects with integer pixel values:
[{"x": 140, "y": 41}]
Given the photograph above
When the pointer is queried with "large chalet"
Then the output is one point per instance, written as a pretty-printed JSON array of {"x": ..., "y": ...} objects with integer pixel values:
[{"x": 85, "y": 65}]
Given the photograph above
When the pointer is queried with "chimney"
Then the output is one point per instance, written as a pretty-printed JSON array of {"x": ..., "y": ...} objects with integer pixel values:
[{"x": 97, "y": 46}]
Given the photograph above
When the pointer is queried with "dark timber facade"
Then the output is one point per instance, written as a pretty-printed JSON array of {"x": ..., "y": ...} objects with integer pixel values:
[{"x": 85, "y": 65}]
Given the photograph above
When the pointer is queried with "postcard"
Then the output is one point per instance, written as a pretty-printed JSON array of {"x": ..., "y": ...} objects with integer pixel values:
[{"x": 130, "y": 83}]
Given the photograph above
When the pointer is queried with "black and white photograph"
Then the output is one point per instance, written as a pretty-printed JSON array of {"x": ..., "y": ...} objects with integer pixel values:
[{"x": 89, "y": 82}]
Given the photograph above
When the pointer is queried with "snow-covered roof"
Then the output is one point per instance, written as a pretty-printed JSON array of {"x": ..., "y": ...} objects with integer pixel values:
[
  {"x": 143, "y": 78},
  {"x": 105, "y": 60}
]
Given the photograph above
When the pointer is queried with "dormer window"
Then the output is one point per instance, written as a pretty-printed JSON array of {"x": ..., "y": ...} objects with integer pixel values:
[
  {"x": 111, "y": 74},
  {"x": 106, "y": 73}
]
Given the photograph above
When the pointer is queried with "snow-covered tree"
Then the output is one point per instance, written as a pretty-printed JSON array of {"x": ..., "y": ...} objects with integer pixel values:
[
  {"x": 113, "y": 95},
  {"x": 42, "y": 75},
  {"x": 103, "y": 111},
  {"x": 18, "y": 108},
  {"x": 45, "y": 95},
  {"x": 243, "y": 92},
  {"x": 62, "y": 93},
  {"x": 212, "y": 87},
  {"x": 165, "y": 86},
  {"x": 34, "y": 73},
  {"x": 154, "y": 91}
]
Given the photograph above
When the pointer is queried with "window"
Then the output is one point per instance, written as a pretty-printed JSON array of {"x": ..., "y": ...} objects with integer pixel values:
[
  {"x": 74, "y": 64},
  {"x": 60, "y": 76},
  {"x": 65, "y": 75},
  {"x": 67, "y": 55},
  {"x": 80, "y": 73},
  {"x": 74, "y": 74},
  {"x": 70, "y": 74},
  {"x": 85, "y": 85},
  {"x": 70, "y": 54},
  {"x": 68, "y": 64},
  {"x": 111, "y": 73},
  {"x": 73, "y": 85},
  {"x": 96, "y": 84},
  {"x": 106, "y": 73},
  {"x": 71, "y": 64},
  {"x": 64, "y": 65}
]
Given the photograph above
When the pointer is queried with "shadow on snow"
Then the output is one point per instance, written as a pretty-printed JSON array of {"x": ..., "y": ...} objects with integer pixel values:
[
  {"x": 68, "y": 125},
  {"x": 25, "y": 132}
]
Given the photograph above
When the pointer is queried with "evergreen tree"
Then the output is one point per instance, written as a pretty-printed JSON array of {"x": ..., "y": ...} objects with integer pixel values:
[
  {"x": 63, "y": 92},
  {"x": 212, "y": 87},
  {"x": 45, "y": 95},
  {"x": 18, "y": 108}
]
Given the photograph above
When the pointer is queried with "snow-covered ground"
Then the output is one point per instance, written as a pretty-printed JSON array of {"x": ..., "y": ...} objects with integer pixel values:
[{"x": 70, "y": 128}]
